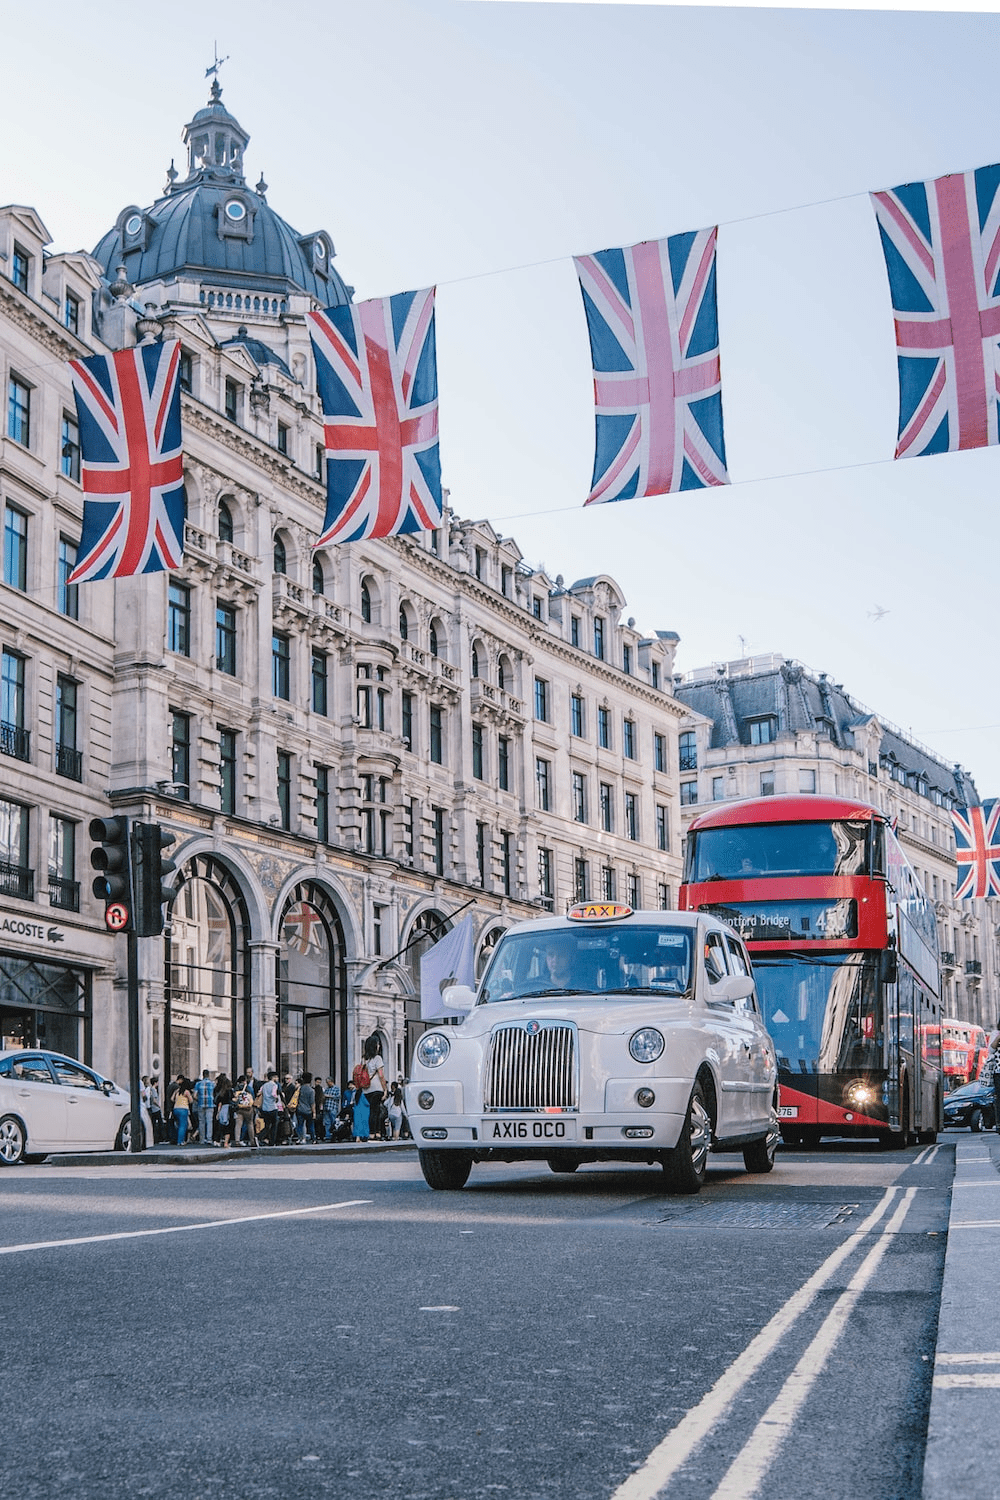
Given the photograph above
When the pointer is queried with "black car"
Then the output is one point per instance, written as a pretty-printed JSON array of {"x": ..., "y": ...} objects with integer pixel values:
[{"x": 971, "y": 1105}]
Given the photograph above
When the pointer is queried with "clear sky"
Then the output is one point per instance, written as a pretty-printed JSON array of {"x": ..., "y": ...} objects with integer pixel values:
[{"x": 479, "y": 146}]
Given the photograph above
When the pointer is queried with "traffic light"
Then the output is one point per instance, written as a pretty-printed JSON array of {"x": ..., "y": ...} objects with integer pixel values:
[
  {"x": 150, "y": 869},
  {"x": 113, "y": 885}
]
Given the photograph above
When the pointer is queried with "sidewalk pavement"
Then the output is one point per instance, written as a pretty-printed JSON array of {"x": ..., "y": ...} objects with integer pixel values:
[
  {"x": 167, "y": 1155},
  {"x": 961, "y": 1453}
]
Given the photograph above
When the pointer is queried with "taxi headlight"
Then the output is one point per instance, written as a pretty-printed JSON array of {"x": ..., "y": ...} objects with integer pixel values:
[
  {"x": 646, "y": 1045},
  {"x": 425, "y": 1099},
  {"x": 432, "y": 1049}
]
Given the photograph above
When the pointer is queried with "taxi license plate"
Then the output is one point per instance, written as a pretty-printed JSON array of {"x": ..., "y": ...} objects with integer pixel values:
[
  {"x": 788, "y": 1111},
  {"x": 539, "y": 1132}
]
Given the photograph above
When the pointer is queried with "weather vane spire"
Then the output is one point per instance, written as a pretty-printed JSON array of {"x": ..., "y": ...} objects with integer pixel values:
[{"x": 213, "y": 71}]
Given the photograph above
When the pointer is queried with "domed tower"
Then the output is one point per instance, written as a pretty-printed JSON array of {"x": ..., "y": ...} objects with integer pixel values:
[{"x": 212, "y": 245}]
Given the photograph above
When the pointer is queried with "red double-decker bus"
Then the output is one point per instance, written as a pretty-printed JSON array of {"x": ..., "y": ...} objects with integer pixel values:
[{"x": 844, "y": 947}]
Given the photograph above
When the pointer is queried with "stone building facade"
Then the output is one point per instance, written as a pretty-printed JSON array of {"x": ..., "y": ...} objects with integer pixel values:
[
  {"x": 353, "y": 747},
  {"x": 766, "y": 725}
]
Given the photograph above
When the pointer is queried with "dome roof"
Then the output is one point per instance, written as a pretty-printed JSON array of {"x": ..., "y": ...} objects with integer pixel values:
[{"x": 213, "y": 226}]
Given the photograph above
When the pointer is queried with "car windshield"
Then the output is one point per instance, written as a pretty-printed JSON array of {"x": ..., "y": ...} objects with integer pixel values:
[{"x": 624, "y": 961}]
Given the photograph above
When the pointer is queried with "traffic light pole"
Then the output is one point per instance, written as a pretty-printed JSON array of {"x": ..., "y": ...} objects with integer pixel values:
[{"x": 135, "y": 1097}]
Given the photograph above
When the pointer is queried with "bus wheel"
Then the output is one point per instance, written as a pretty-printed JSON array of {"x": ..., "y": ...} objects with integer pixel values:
[
  {"x": 976, "y": 1121},
  {"x": 686, "y": 1166},
  {"x": 927, "y": 1137},
  {"x": 445, "y": 1171}
]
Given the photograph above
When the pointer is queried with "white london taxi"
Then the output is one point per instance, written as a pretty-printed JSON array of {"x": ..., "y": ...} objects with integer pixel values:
[{"x": 605, "y": 1035}]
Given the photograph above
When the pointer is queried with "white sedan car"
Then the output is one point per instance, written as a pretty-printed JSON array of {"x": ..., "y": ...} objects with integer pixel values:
[
  {"x": 605, "y": 1035},
  {"x": 49, "y": 1102}
]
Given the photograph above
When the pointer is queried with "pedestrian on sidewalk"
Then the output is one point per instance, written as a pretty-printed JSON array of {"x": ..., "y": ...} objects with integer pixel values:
[
  {"x": 331, "y": 1108},
  {"x": 376, "y": 1088},
  {"x": 305, "y": 1119},
  {"x": 244, "y": 1107},
  {"x": 204, "y": 1098},
  {"x": 224, "y": 1109},
  {"x": 271, "y": 1105},
  {"x": 990, "y": 1073},
  {"x": 182, "y": 1108}
]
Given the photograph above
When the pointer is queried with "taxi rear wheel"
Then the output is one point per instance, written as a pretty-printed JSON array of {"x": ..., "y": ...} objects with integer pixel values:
[
  {"x": 562, "y": 1164},
  {"x": 445, "y": 1171},
  {"x": 686, "y": 1166},
  {"x": 759, "y": 1157}
]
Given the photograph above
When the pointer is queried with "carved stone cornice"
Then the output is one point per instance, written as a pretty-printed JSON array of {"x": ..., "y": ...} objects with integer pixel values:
[{"x": 40, "y": 325}]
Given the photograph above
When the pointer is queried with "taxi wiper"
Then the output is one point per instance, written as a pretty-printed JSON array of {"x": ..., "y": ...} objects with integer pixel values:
[{"x": 545, "y": 994}]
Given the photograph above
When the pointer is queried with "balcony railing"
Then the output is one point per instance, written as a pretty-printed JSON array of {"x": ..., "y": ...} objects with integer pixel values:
[
  {"x": 15, "y": 880},
  {"x": 69, "y": 762},
  {"x": 973, "y": 967},
  {"x": 64, "y": 893},
  {"x": 947, "y": 960},
  {"x": 15, "y": 741},
  {"x": 688, "y": 760}
]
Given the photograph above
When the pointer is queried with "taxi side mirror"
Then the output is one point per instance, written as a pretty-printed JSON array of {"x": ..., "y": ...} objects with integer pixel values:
[
  {"x": 458, "y": 997},
  {"x": 733, "y": 988}
]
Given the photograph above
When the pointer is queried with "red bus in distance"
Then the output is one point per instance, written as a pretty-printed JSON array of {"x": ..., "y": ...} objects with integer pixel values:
[{"x": 844, "y": 948}]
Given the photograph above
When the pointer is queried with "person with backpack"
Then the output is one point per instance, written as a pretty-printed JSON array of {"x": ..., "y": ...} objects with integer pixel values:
[
  {"x": 305, "y": 1119},
  {"x": 376, "y": 1088},
  {"x": 360, "y": 1118}
]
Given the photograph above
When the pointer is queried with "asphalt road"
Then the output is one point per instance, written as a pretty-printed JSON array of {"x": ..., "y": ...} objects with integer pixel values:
[{"x": 580, "y": 1338}]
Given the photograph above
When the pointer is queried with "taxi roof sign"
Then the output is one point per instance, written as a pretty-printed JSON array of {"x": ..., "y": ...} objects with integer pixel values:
[{"x": 598, "y": 911}]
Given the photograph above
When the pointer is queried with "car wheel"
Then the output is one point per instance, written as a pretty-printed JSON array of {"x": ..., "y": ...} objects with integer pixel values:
[
  {"x": 124, "y": 1141},
  {"x": 445, "y": 1171},
  {"x": 759, "y": 1157},
  {"x": 12, "y": 1141},
  {"x": 976, "y": 1121},
  {"x": 35, "y": 1158},
  {"x": 686, "y": 1166},
  {"x": 562, "y": 1164}
]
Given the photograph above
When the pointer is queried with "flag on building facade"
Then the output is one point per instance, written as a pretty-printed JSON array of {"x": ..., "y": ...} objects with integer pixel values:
[
  {"x": 303, "y": 928},
  {"x": 654, "y": 341},
  {"x": 941, "y": 241},
  {"x": 452, "y": 960},
  {"x": 977, "y": 849},
  {"x": 376, "y": 370},
  {"x": 129, "y": 411}
]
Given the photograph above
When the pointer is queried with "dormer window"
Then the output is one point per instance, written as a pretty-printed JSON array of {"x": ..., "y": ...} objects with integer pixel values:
[
  {"x": 20, "y": 264},
  {"x": 133, "y": 225},
  {"x": 236, "y": 211},
  {"x": 763, "y": 731},
  {"x": 234, "y": 218}
]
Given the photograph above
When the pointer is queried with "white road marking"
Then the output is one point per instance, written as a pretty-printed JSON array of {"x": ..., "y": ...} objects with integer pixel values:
[
  {"x": 967, "y": 1382},
  {"x": 679, "y": 1444},
  {"x": 748, "y": 1469},
  {"x": 993, "y": 1358},
  {"x": 439, "y": 1309},
  {"x": 974, "y": 1224},
  {"x": 138, "y": 1234}
]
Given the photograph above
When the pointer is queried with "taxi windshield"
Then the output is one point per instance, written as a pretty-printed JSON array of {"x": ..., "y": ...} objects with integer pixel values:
[{"x": 623, "y": 961}]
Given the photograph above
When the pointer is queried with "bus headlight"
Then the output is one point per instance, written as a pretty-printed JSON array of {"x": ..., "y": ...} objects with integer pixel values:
[
  {"x": 646, "y": 1045},
  {"x": 860, "y": 1093},
  {"x": 432, "y": 1049}
]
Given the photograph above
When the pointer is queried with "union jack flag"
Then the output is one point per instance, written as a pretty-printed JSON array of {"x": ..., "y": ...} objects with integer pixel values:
[
  {"x": 129, "y": 409},
  {"x": 654, "y": 343},
  {"x": 941, "y": 241},
  {"x": 376, "y": 368},
  {"x": 977, "y": 849},
  {"x": 303, "y": 928}
]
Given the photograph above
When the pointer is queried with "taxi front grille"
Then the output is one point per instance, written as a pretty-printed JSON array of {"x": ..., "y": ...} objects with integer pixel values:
[{"x": 531, "y": 1071}]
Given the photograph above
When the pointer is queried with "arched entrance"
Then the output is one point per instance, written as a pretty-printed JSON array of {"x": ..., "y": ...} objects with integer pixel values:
[
  {"x": 312, "y": 986},
  {"x": 207, "y": 1012},
  {"x": 428, "y": 928}
]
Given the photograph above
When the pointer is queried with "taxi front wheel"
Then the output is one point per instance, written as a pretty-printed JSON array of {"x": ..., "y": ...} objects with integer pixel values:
[
  {"x": 445, "y": 1171},
  {"x": 686, "y": 1166}
]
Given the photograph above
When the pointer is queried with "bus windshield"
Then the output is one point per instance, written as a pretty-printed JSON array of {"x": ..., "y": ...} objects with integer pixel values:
[
  {"x": 822, "y": 1010},
  {"x": 776, "y": 849},
  {"x": 621, "y": 961}
]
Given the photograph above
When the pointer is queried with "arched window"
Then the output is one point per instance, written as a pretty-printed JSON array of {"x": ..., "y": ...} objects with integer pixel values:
[
  {"x": 319, "y": 583},
  {"x": 486, "y": 950},
  {"x": 280, "y": 556},
  {"x": 434, "y": 639},
  {"x": 404, "y": 624},
  {"x": 504, "y": 678},
  {"x": 225, "y": 522},
  {"x": 207, "y": 1023},
  {"x": 475, "y": 658},
  {"x": 312, "y": 986},
  {"x": 366, "y": 602}
]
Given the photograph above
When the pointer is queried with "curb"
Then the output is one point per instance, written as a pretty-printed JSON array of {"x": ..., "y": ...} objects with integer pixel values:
[
  {"x": 184, "y": 1156},
  {"x": 960, "y": 1457}
]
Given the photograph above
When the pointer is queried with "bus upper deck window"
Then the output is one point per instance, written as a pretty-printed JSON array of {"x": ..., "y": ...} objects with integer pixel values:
[{"x": 878, "y": 849}]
